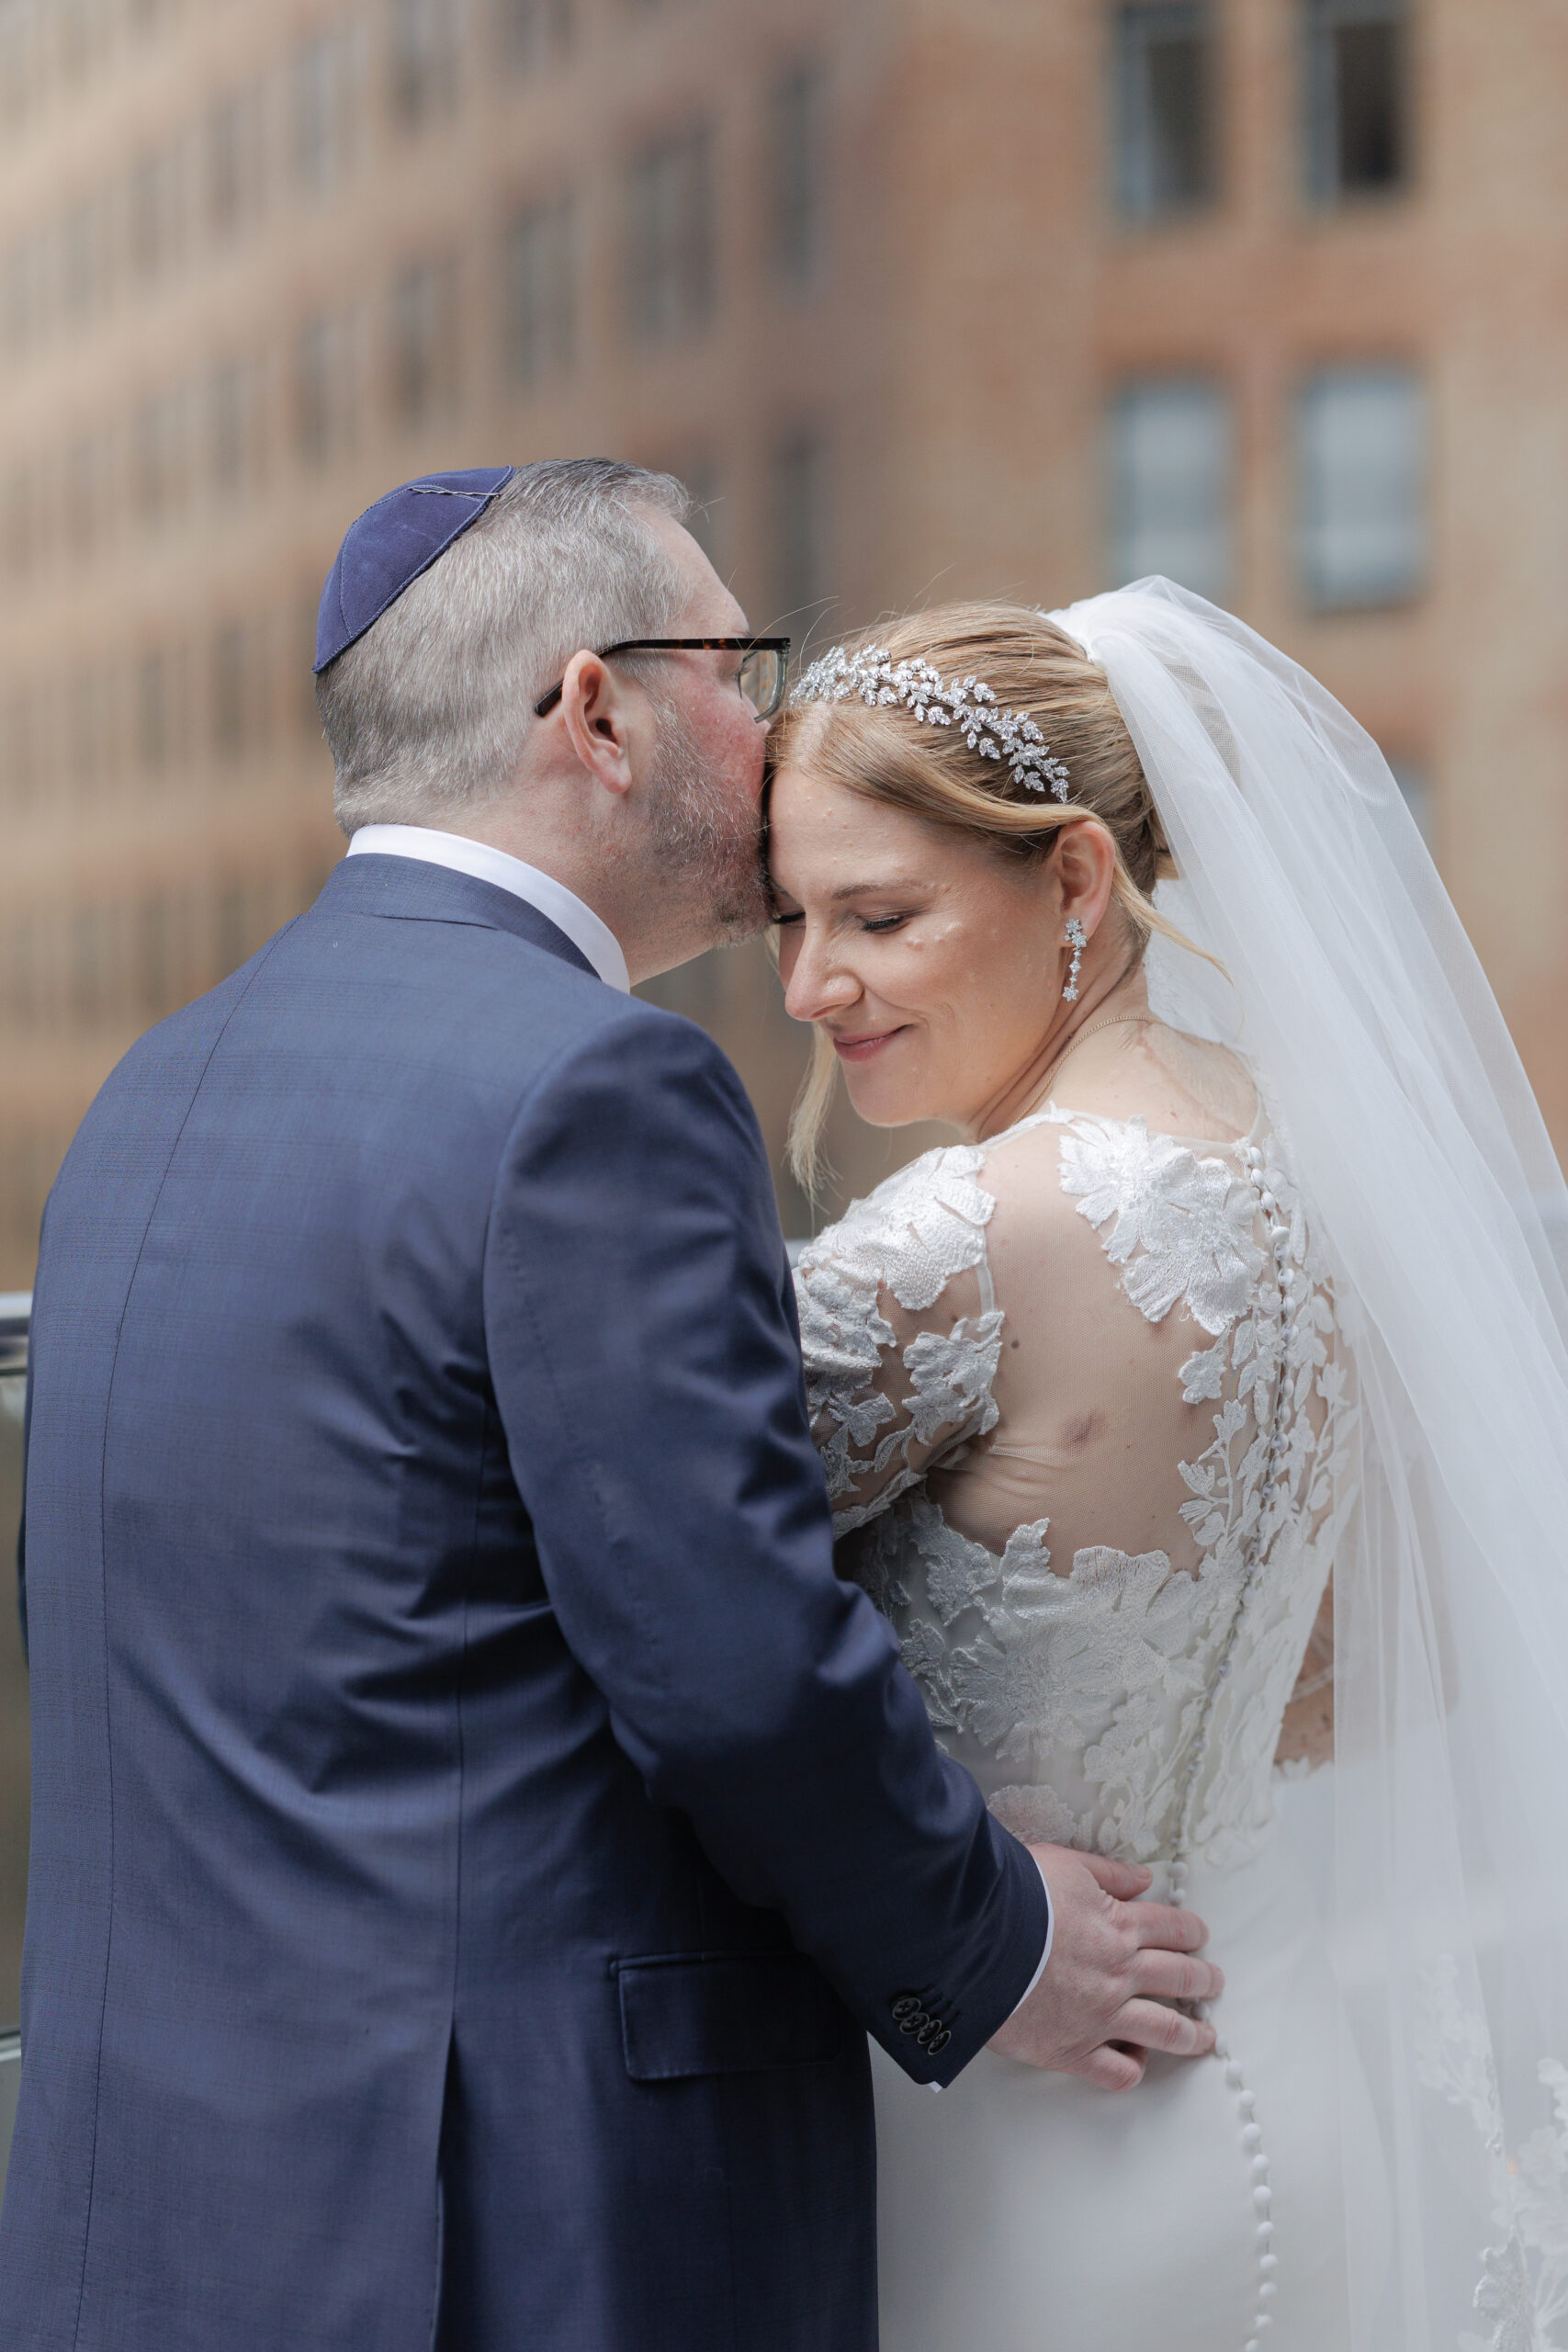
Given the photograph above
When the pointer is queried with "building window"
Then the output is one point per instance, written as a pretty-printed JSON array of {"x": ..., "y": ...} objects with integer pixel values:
[
  {"x": 87, "y": 494},
  {"x": 1165, "y": 108},
  {"x": 1415, "y": 790},
  {"x": 800, "y": 530},
  {"x": 16, "y": 298},
  {"x": 424, "y": 341},
  {"x": 82, "y": 30},
  {"x": 541, "y": 291},
  {"x": 534, "y": 32},
  {"x": 1363, "y": 464},
  {"x": 239, "y": 696},
  {"x": 158, "y": 456},
  {"x": 1356, "y": 98},
  {"x": 236, "y": 426},
  {"x": 799, "y": 160},
  {"x": 155, "y": 211},
  {"x": 236, "y": 159},
  {"x": 166, "y": 973},
  {"x": 669, "y": 238},
  {"x": 86, "y": 730},
  {"x": 94, "y": 974},
  {"x": 85, "y": 254},
  {"x": 325, "y": 389},
  {"x": 18, "y": 517},
  {"x": 242, "y": 923},
  {"x": 1170, "y": 485},
  {"x": 324, "y": 92},
  {"x": 17, "y": 51},
  {"x": 705, "y": 520},
  {"x": 18, "y": 747},
  {"x": 152, "y": 717},
  {"x": 22, "y": 994},
  {"x": 423, "y": 59}
]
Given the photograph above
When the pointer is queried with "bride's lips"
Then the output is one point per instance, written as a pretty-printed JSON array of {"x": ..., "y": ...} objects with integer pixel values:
[{"x": 861, "y": 1049}]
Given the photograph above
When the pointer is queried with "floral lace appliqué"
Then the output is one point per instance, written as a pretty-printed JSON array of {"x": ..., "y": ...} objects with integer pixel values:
[
  {"x": 911, "y": 1239},
  {"x": 1077, "y": 1693},
  {"x": 1523, "y": 2287},
  {"x": 1188, "y": 1218}
]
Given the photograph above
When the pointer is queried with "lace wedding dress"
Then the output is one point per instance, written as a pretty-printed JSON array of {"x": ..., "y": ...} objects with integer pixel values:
[{"x": 1087, "y": 1416}]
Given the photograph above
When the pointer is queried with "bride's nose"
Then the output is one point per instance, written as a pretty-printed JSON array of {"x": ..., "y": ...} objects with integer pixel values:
[{"x": 817, "y": 985}]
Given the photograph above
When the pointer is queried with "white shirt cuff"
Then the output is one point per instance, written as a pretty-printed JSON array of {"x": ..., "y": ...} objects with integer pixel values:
[
  {"x": 1040, "y": 1970},
  {"x": 1050, "y": 1937}
]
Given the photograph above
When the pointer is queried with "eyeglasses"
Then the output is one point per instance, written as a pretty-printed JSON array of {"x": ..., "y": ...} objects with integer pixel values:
[{"x": 764, "y": 674}]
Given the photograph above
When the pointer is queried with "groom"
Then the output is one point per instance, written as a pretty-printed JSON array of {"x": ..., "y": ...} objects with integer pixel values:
[{"x": 474, "y": 1830}]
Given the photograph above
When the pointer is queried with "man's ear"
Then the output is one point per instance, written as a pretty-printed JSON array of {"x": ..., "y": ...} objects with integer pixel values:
[{"x": 595, "y": 711}]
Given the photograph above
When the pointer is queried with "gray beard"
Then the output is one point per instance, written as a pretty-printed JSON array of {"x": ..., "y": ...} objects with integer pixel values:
[{"x": 709, "y": 845}]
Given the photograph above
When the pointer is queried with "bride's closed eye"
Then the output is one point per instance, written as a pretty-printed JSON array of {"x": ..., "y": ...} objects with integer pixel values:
[{"x": 784, "y": 917}]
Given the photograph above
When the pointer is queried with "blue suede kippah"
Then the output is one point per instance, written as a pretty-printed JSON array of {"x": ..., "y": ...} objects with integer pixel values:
[{"x": 392, "y": 543}]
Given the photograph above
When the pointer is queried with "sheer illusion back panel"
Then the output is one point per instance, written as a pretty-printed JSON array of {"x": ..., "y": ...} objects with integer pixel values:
[
  {"x": 1080, "y": 1393},
  {"x": 1072, "y": 1406}
]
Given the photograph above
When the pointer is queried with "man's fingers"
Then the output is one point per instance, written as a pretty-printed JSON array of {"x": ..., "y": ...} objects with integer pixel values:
[
  {"x": 1157, "y": 1923},
  {"x": 1176, "y": 1977},
  {"x": 1125, "y": 1881},
  {"x": 1151, "y": 2026},
  {"x": 1111, "y": 2070}
]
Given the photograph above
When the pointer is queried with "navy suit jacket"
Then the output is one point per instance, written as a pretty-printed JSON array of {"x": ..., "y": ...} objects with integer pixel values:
[{"x": 473, "y": 1827}]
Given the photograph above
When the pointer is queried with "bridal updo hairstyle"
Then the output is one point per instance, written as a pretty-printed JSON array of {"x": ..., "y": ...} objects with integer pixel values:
[{"x": 885, "y": 753}]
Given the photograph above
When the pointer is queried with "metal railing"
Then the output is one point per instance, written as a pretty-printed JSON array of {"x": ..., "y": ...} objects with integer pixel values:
[
  {"x": 16, "y": 1309},
  {"x": 16, "y": 1313},
  {"x": 10, "y": 2082}
]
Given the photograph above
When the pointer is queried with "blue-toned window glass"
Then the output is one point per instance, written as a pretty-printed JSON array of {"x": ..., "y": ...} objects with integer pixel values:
[
  {"x": 1165, "y": 108},
  {"x": 535, "y": 33},
  {"x": 425, "y": 58},
  {"x": 541, "y": 324},
  {"x": 422, "y": 338},
  {"x": 1362, "y": 486},
  {"x": 1416, "y": 788},
  {"x": 669, "y": 256},
  {"x": 798, "y": 109},
  {"x": 1356, "y": 62},
  {"x": 800, "y": 494},
  {"x": 1170, "y": 482}
]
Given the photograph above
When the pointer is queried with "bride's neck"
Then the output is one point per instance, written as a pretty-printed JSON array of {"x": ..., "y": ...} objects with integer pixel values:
[{"x": 1118, "y": 999}]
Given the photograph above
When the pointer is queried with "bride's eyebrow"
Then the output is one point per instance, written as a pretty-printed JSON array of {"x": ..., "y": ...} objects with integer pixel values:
[{"x": 856, "y": 889}]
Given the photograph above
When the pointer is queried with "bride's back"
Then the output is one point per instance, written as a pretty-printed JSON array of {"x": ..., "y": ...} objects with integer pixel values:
[
  {"x": 1080, "y": 1393},
  {"x": 1122, "y": 1176}
]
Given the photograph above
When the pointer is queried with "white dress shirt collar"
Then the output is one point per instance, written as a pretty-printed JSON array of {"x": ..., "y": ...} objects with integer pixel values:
[{"x": 554, "y": 900}]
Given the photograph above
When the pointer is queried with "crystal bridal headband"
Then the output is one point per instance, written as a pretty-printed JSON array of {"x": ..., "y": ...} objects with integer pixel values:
[{"x": 997, "y": 734}]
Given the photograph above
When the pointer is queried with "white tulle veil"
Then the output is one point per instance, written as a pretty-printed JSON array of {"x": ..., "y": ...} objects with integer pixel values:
[{"x": 1359, "y": 1004}]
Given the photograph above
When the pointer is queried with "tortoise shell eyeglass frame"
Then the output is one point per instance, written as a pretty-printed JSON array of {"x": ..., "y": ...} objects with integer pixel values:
[{"x": 761, "y": 680}]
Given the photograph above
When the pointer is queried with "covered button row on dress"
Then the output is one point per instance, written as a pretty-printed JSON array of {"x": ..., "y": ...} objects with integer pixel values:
[
  {"x": 1284, "y": 1276},
  {"x": 1262, "y": 2196}
]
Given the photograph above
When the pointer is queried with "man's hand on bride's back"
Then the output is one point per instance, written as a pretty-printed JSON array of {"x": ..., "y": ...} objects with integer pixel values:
[{"x": 1102, "y": 2003}]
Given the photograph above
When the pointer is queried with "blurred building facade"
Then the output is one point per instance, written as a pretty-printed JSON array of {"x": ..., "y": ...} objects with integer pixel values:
[{"x": 923, "y": 297}]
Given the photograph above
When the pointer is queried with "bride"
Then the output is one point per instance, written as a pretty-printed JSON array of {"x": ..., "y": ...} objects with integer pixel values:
[{"x": 1202, "y": 1414}]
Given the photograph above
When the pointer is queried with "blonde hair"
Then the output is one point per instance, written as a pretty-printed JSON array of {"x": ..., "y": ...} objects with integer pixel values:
[{"x": 887, "y": 754}]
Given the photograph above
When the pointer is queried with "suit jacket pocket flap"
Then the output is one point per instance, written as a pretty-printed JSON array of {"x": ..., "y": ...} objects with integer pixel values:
[{"x": 727, "y": 2013}]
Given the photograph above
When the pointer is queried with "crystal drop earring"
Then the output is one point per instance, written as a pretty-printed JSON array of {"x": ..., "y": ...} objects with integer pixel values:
[{"x": 1077, "y": 939}]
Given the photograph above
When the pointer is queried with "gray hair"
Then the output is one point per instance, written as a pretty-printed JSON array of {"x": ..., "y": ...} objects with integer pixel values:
[{"x": 427, "y": 713}]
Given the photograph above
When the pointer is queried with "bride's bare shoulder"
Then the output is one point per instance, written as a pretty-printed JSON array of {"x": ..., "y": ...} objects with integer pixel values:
[
  {"x": 1175, "y": 1085},
  {"x": 1178, "y": 1084}
]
